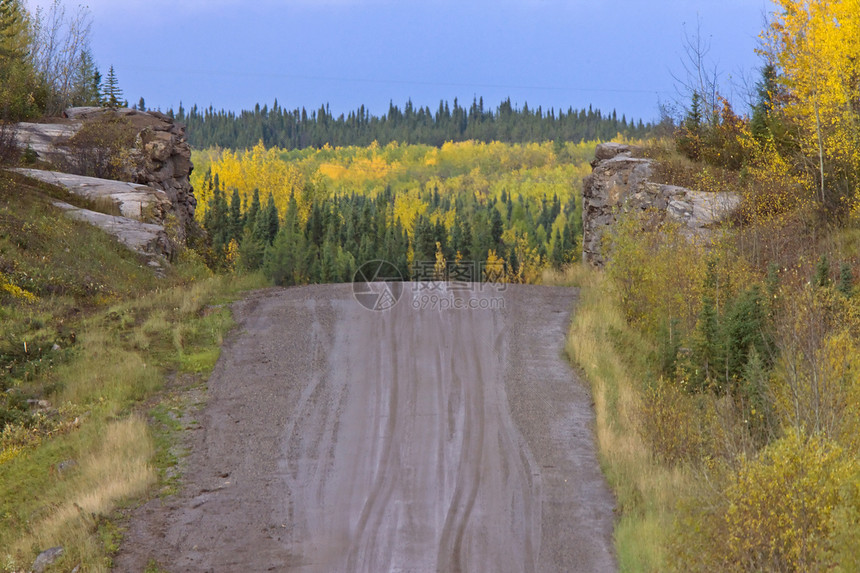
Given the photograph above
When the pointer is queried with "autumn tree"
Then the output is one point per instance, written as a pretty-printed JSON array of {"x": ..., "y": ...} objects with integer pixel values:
[
  {"x": 22, "y": 92},
  {"x": 814, "y": 46},
  {"x": 62, "y": 56}
]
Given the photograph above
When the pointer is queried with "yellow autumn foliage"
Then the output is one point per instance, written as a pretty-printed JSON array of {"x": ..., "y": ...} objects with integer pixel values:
[
  {"x": 816, "y": 45},
  {"x": 15, "y": 291},
  {"x": 659, "y": 273},
  {"x": 780, "y": 505}
]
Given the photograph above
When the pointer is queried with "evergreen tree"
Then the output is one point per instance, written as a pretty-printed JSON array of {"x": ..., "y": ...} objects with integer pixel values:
[
  {"x": 846, "y": 280},
  {"x": 822, "y": 272},
  {"x": 251, "y": 251},
  {"x": 215, "y": 221},
  {"x": 424, "y": 240},
  {"x": 236, "y": 221},
  {"x": 513, "y": 262},
  {"x": 281, "y": 261},
  {"x": 497, "y": 227},
  {"x": 271, "y": 218},
  {"x": 709, "y": 345},
  {"x": 557, "y": 256},
  {"x": 112, "y": 95},
  {"x": 87, "y": 82},
  {"x": 745, "y": 329},
  {"x": 253, "y": 212}
]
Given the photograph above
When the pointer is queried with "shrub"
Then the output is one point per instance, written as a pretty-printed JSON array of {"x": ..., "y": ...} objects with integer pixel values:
[
  {"x": 671, "y": 423},
  {"x": 9, "y": 150},
  {"x": 659, "y": 273},
  {"x": 102, "y": 148},
  {"x": 779, "y": 511}
]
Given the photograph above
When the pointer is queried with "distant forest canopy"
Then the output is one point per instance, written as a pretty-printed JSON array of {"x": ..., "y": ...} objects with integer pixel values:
[
  {"x": 497, "y": 212},
  {"x": 298, "y": 129}
]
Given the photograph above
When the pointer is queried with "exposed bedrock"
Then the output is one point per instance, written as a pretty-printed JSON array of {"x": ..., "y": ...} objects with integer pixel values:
[{"x": 620, "y": 182}]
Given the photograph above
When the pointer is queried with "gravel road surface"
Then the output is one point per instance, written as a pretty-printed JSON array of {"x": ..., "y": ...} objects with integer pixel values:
[{"x": 421, "y": 438}]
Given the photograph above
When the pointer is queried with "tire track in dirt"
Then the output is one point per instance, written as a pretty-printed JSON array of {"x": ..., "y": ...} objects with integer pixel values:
[{"x": 404, "y": 440}]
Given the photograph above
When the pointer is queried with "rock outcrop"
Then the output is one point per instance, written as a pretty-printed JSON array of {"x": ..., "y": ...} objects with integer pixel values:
[
  {"x": 40, "y": 137},
  {"x": 619, "y": 182},
  {"x": 160, "y": 157},
  {"x": 147, "y": 239},
  {"x": 131, "y": 200}
]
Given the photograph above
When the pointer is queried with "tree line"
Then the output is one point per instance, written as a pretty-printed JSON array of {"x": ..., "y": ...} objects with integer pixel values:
[{"x": 299, "y": 128}]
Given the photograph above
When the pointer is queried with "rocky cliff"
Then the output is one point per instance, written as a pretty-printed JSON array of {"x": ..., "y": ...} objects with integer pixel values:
[
  {"x": 619, "y": 182},
  {"x": 158, "y": 161}
]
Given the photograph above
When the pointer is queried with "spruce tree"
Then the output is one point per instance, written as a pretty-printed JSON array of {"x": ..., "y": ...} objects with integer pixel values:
[
  {"x": 253, "y": 210},
  {"x": 236, "y": 222},
  {"x": 112, "y": 96},
  {"x": 272, "y": 217},
  {"x": 846, "y": 280},
  {"x": 822, "y": 272}
]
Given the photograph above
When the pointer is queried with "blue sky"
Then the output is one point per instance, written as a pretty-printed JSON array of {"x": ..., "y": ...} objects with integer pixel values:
[{"x": 554, "y": 53}]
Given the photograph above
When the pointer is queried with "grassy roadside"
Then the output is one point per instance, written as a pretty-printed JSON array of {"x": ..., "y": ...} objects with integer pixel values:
[
  {"x": 611, "y": 356},
  {"x": 95, "y": 352},
  {"x": 110, "y": 437}
]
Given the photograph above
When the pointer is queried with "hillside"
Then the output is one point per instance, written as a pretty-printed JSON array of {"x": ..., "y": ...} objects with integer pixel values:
[{"x": 89, "y": 335}]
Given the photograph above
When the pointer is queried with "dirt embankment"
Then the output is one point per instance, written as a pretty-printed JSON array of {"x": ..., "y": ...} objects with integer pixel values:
[{"x": 338, "y": 439}]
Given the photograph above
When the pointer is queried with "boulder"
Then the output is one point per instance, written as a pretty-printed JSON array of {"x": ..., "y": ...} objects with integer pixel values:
[
  {"x": 46, "y": 558},
  {"x": 619, "y": 182}
]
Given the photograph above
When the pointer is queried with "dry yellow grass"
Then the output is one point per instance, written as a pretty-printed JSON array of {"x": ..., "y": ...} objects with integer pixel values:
[{"x": 118, "y": 469}]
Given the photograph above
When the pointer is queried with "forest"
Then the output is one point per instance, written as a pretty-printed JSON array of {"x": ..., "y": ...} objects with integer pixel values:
[
  {"x": 297, "y": 129},
  {"x": 315, "y": 215}
]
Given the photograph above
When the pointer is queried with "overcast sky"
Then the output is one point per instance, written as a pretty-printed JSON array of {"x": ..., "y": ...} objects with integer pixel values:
[{"x": 554, "y": 53}]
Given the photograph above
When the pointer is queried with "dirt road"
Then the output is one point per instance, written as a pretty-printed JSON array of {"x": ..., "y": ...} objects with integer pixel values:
[{"x": 339, "y": 439}]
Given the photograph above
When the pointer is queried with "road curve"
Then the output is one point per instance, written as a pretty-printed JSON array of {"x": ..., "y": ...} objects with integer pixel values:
[{"x": 420, "y": 438}]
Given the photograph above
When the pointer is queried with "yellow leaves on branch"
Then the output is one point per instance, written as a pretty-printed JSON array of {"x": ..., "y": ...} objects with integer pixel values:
[
  {"x": 816, "y": 382},
  {"x": 441, "y": 265},
  {"x": 658, "y": 272},
  {"x": 815, "y": 44},
  {"x": 780, "y": 505}
]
